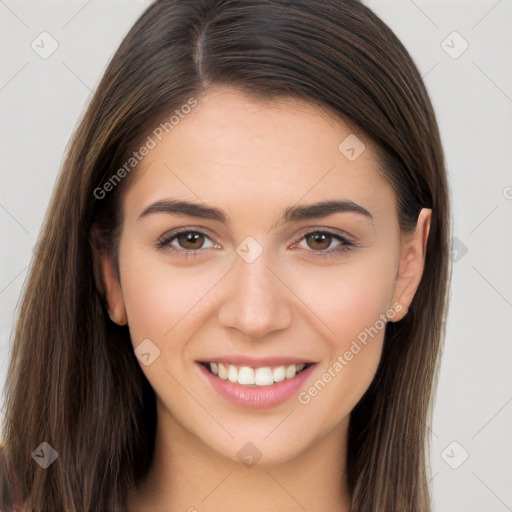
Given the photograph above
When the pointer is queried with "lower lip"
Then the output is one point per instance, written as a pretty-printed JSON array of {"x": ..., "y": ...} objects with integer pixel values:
[{"x": 257, "y": 397}]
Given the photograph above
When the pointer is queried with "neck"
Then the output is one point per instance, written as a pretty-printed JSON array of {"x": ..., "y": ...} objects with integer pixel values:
[{"x": 187, "y": 475}]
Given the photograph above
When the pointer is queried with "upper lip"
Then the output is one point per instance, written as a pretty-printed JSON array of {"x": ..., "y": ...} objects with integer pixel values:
[{"x": 256, "y": 362}]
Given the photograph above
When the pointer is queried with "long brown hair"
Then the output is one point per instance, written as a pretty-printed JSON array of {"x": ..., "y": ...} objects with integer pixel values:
[{"x": 73, "y": 379}]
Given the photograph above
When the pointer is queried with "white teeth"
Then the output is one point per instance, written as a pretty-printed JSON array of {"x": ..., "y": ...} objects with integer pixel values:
[
  {"x": 247, "y": 376},
  {"x": 290, "y": 371},
  {"x": 223, "y": 373},
  {"x": 263, "y": 376},
  {"x": 232, "y": 373},
  {"x": 279, "y": 374}
]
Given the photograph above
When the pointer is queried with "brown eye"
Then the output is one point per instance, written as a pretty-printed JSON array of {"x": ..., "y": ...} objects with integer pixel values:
[
  {"x": 190, "y": 240},
  {"x": 319, "y": 241},
  {"x": 325, "y": 244},
  {"x": 187, "y": 242}
]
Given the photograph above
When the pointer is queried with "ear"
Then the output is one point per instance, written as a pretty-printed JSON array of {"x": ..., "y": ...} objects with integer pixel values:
[
  {"x": 113, "y": 291},
  {"x": 412, "y": 263}
]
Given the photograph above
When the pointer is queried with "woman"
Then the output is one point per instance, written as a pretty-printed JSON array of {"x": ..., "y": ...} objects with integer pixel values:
[{"x": 241, "y": 284}]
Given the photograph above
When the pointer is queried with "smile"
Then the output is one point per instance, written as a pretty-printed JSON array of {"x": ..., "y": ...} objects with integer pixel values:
[
  {"x": 261, "y": 376},
  {"x": 256, "y": 384}
]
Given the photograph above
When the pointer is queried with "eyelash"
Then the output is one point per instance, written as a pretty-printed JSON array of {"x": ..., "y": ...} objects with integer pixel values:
[{"x": 164, "y": 243}]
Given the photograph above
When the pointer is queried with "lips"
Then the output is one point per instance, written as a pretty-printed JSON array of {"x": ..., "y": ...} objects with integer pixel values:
[{"x": 263, "y": 394}]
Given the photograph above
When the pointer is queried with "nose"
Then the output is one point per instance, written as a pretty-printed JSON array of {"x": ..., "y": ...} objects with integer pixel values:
[{"x": 256, "y": 301}]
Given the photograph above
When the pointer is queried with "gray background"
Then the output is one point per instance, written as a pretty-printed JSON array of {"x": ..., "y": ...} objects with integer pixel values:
[{"x": 42, "y": 99}]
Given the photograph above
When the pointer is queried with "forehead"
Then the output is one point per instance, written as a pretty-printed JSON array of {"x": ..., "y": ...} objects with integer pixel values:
[{"x": 235, "y": 149}]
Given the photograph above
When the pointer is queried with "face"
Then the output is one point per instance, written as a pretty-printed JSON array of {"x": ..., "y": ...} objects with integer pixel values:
[{"x": 246, "y": 303}]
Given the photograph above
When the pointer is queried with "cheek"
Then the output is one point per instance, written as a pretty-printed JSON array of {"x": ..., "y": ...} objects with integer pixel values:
[
  {"x": 349, "y": 297},
  {"x": 353, "y": 303},
  {"x": 159, "y": 296}
]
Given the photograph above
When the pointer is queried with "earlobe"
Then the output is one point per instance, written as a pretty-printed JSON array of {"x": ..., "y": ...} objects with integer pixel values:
[
  {"x": 412, "y": 263},
  {"x": 113, "y": 291}
]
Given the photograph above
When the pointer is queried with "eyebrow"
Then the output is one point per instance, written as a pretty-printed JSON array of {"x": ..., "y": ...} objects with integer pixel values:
[{"x": 290, "y": 214}]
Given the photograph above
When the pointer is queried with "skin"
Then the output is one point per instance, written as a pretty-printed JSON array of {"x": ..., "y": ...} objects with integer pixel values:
[{"x": 253, "y": 159}]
